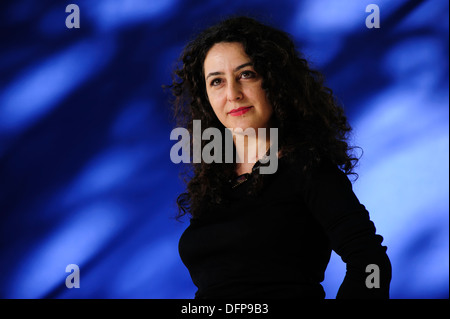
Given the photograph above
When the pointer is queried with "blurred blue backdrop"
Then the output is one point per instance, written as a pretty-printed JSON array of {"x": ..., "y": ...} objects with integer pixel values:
[{"x": 85, "y": 172}]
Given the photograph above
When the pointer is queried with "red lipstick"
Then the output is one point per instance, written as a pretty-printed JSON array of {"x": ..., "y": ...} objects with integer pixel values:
[{"x": 240, "y": 110}]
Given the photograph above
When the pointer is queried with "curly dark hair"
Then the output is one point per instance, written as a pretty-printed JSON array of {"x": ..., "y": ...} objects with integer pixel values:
[{"x": 312, "y": 127}]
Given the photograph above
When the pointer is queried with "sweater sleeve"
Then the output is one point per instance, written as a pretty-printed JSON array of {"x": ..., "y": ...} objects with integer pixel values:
[{"x": 331, "y": 200}]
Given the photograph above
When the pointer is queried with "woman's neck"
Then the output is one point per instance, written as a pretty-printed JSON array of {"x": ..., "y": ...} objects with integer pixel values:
[{"x": 249, "y": 149}]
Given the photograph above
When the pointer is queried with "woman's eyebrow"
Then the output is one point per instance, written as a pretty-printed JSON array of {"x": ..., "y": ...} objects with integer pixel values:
[{"x": 235, "y": 69}]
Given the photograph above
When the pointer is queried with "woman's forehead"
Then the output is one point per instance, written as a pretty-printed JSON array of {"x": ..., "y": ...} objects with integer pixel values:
[{"x": 225, "y": 55}]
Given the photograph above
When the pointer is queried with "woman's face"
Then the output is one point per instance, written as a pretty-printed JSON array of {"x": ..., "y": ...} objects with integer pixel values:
[{"x": 234, "y": 88}]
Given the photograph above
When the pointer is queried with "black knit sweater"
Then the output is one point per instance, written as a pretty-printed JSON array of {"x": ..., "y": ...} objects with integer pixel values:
[{"x": 278, "y": 244}]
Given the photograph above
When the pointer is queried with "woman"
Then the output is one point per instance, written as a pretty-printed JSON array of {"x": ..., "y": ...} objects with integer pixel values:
[{"x": 254, "y": 235}]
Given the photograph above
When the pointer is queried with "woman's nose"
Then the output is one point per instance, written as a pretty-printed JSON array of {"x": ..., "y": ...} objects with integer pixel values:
[{"x": 234, "y": 92}]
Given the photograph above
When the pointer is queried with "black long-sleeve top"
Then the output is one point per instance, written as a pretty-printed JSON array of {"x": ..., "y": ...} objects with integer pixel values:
[{"x": 278, "y": 244}]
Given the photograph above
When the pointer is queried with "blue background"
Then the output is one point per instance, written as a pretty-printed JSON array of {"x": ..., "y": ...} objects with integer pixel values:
[{"x": 85, "y": 172}]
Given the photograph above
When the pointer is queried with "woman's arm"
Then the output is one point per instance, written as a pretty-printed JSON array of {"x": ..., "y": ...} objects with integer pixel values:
[{"x": 330, "y": 198}]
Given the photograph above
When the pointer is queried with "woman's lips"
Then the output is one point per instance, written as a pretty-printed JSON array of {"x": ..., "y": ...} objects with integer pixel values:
[{"x": 240, "y": 111}]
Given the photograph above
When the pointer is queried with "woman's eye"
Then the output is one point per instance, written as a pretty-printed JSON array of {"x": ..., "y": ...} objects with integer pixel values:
[
  {"x": 247, "y": 74},
  {"x": 215, "y": 82}
]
